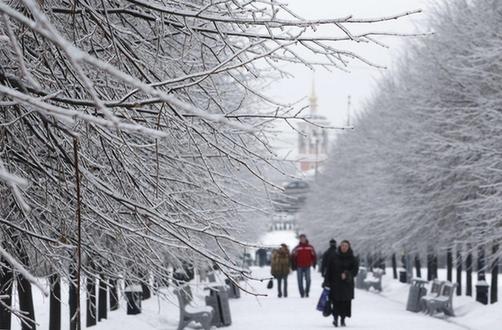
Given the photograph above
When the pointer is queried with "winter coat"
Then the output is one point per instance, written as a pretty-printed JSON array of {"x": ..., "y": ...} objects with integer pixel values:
[
  {"x": 325, "y": 257},
  {"x": 280, "y": 263},
  {"x": 338, "y": 263},
  {"x": 304, "y": 255}
]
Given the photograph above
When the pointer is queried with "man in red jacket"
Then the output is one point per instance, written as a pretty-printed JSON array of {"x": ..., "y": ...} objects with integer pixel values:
[{"x": 304, "y": 257}]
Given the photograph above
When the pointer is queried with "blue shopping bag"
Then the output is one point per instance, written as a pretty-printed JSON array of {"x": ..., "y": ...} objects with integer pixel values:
[{"x": 323, "y": 300}]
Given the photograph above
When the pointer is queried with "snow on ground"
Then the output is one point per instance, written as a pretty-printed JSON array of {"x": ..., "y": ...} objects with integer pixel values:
[
  {"x": 469, "y": 313},
  {"x": 371, "y": 310}
]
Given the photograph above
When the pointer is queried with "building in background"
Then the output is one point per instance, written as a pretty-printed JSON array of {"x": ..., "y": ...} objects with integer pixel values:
[{"x": 313, "y": 138}]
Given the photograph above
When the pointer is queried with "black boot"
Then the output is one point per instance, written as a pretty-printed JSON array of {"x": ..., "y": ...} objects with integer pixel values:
[
  {"x": 335, "y": 322},
  {"x": 343, "y": 321}
]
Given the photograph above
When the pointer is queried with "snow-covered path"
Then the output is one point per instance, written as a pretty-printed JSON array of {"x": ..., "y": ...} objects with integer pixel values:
[{"x": 370, "y": 311}]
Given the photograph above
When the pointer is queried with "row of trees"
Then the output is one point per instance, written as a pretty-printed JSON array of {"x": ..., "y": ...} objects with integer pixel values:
[
  {"x": 421, "y": 172},
  {"x": 134, "y": 134}
]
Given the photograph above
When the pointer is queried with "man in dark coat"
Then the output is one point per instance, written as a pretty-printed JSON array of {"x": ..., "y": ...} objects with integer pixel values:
[
  {"x": 341, "y": 269},
  {"x": 326, "y": 255}
]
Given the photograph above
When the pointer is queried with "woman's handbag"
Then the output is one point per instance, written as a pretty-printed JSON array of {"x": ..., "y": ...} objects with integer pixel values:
[
  {"x": 324, "y": 305},
  {"x": 270, "y": 284}
]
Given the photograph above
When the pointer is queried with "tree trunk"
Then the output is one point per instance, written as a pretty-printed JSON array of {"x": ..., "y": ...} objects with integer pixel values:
[
  {"x": 449, "y": 265},
  {"x": 418, "y": 266},
  {"x": 495, "y": 274},
  {"x": 481, "y": 263},
  {"x": 394, "y": 266},
  {"x": 435, "y": 265},
  {"x": 26, "y": 303},
  {"x": 114, "y": 301},
  {"x": 468, "y": 271},
  {"x": 145, "y": 286},
  {"x": 91, "y": 301},
  {"x": 6, "y": 279},
  {"x": 102, "y": 298},
  {"x": 72, "y": 299},
  {"x": 24, "y": 289},
  {"x": 371, "y": 261},
  {"x": 459, "y": 272},
  {"x": 146, "y": 290},
  {"x": 55, "y": 302},
  {"x": 430, "y": 276}
]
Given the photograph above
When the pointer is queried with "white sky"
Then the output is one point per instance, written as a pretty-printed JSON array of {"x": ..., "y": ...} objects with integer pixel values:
[{"x": 332, "y": 88}]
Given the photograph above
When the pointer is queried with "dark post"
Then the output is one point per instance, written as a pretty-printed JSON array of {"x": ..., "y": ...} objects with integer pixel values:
[
  {"x": 114, "y": 301},
  {"x": 102, "y": 298},
  {"x": 418, "y": 266},
  {"x": 495, "y": 274},
  {"x": 394, "y": 266},
  {"x": 459, "y": 271},
  {"x": 468, "y": 271},
  {"x": 55, "y": 302},
  {"x": 6, "y": 279},
  {"x": 449, "y": 265},
  {"x": 72, "y": 299},
  {"x": 91, "y": 301}
]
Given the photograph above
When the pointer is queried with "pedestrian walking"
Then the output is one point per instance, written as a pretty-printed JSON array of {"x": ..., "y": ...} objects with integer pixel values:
[
  {"x": 303, "y": 257},
  {"x": 280, "y": 269},
  {"x": 342, "y": 267},
  {"x": 326, "y": 255}
]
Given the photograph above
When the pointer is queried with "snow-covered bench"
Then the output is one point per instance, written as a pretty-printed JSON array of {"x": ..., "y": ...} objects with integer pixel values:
[
  {"x": 189, "y": 313},
  {"x": 436, "y": 288},
  {"x": 361, "y": 276},
  {"x": 443, "y": 302},
  {"x": 375, "y": 281}
]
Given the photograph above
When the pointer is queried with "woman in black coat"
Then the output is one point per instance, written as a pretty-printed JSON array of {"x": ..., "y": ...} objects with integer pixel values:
[{"x": 341, "y": 269}]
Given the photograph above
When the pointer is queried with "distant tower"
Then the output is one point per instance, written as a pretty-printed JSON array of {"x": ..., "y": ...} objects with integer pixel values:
[{"x": 312, "y": 137}]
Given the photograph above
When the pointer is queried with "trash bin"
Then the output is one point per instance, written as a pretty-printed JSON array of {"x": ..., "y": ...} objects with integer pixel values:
[
  {"x": 218, "y": 299},
  {"x": 361, "y": 276},
  {"x": 133, "y": 294},
  {"x": 482, "y": 292},
  {"x": 416, "y": 292},
  {"x": 403, "y": 276}
]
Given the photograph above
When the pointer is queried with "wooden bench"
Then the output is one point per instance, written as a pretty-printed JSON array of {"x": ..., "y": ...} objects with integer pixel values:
[
  {"x": 375, "y": 281},
  {"x": 436, "y": 287},
  {"x": 443, "y": 302},
  {"x": 188, "y": 313}
]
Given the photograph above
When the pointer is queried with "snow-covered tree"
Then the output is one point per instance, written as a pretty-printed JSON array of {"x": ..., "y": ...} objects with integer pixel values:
[
  {"x": 421, "y": 169},
  {"x": 135, "y": 131}
]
